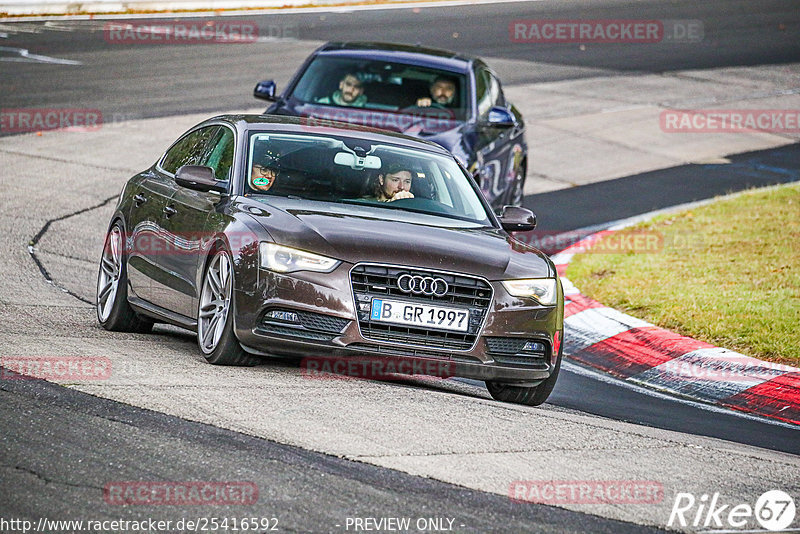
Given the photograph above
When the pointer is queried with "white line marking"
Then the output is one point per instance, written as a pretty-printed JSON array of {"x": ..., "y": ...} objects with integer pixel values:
[
  {"x": 26, "y": 56},
  {"x": 602, "y": 377}
]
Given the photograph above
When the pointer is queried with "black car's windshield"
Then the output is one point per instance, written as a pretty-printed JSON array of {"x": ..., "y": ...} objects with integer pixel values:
[
  {"x": 384, "y": 86},
  {"x": 358, "y": 171}
]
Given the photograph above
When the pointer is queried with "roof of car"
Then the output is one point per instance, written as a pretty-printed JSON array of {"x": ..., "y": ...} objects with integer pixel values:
[
  {"x": 291, "y": 124},
  {"x": 416, "y": 55}
]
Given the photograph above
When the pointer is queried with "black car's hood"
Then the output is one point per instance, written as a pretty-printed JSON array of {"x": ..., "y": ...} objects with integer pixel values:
[{"x": 366, "y": 234}]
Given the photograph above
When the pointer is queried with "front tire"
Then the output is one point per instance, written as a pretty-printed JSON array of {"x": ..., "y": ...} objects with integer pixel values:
[
  {"x": 113, "y": 311},
  {"x": 215, "y": 335},
  {"x": 530, "y": 396}
]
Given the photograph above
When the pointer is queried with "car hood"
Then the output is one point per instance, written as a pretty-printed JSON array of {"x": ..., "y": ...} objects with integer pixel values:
[{"x": 365, "y": 234}]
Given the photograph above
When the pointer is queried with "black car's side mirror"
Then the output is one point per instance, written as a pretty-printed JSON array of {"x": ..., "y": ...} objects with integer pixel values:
[
  {"x": 199, "y": 178},
  {"x": 265, "y": 90},
  {"x": 516, "y": 219},
  {"x": 500, "y": 117}
]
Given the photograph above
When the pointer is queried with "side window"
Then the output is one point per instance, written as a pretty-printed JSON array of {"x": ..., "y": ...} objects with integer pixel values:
[
  {"x": 487, "y": 91},
  {"x": 188, "y": 150},
  {"x": 219, "y": 153}
]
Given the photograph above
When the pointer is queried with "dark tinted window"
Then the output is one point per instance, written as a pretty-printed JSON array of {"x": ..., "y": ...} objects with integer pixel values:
[
  {"x": 218, "y": 153},
  {"x": 381, "y": 85},
  {"x": 328, "y": 169},
  {"x": 487, "y": 91},
  {"x": 189, "y": 150}
]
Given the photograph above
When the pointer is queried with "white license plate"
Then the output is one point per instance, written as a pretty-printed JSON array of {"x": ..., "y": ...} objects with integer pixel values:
[{"x": 423, "y": 315}]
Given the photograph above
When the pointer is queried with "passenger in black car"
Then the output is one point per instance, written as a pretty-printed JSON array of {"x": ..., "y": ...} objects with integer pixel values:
[{"x": 350, "y": 93}]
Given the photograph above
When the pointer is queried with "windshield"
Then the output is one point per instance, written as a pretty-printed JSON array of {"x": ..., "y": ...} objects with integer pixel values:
[
  {"x": 381, "y": 85},
  {"x": 356, "y": 171}
]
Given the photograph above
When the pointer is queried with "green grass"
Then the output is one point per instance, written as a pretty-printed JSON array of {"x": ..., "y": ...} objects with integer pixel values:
[{"x": 728, "y": 274}]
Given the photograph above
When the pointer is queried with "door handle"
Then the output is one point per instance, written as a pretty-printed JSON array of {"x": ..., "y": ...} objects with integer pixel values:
[
  {"x": 139, "y": 199},
  {"x": 169, "y": 211}
]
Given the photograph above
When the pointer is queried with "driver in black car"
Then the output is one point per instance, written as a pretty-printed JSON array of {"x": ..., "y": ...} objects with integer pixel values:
[
  {"x": 393, "y": 184},
  {"x": 443, "y": 93}
]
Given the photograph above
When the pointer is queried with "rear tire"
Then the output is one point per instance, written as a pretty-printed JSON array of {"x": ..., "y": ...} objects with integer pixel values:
[
  {"x": 215, "y": 335},
  {"x": 530, "y": 396},
  {"x": 113, "y": 311}
]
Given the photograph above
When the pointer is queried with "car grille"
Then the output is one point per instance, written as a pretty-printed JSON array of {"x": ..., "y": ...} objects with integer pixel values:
[
  {"x": 511, "y": 350},
  {"x": 400, "y": 350},
  {"x": 324, "y": 323},
  {"x": 369, "y": 281},
  {"x": 505, "y": 345},
  {"x": 528, "y": 361},
  {"x": 308, "y": 325},
  {"x": 294, "y": 332}
]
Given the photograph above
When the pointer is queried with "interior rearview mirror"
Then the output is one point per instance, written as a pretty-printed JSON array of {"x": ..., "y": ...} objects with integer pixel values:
[{"x": 349, "y": 159}]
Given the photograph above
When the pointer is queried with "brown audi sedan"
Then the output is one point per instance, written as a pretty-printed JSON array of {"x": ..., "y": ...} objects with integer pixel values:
[{"x": 278, "y": 236}]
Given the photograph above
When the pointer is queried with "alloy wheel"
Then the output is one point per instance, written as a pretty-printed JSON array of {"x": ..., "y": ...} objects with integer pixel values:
[
  {"x": 110, "y": 270},
  {"x": 215, "y": 301}
]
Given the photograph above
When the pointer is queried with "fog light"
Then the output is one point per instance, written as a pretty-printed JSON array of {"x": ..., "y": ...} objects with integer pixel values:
[
  {"x": 533, "y": 346},
  {"x": 281, "y": 315}
]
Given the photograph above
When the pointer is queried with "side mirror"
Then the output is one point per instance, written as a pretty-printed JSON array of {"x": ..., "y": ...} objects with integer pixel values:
[
  {"x": 199, "y": 178},
  {"x": 516, "y": 219},
  {"x": 501, "y": 118},
  {"x": 265, "y": 90}
]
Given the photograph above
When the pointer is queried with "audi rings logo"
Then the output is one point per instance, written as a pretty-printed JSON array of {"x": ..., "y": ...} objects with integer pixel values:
[{"x": 422, "y": 285}]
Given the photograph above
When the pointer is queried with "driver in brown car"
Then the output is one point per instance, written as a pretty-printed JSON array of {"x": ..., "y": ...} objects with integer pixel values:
[{"x": 393, "y": 184}]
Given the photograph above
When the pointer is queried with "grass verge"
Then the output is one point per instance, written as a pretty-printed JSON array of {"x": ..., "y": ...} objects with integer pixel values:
[{"x": 727, "y": 273}]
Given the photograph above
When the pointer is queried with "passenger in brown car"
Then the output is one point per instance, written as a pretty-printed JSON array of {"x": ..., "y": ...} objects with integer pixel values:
[{"x": 262, "y": 177}]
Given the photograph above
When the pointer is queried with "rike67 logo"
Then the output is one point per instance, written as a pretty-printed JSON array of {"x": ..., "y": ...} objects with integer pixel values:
[{"x": 774, "y": 511}]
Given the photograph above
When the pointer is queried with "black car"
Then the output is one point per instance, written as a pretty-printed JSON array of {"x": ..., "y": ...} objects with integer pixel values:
[
  {"x": 268, "y": 236},
  {"x": 468, "y": 115}
]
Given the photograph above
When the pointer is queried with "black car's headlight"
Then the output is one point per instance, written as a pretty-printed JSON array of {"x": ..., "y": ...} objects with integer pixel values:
[
  {"x": 542, "y": 289},
  {"x": 286, "y": 260}
]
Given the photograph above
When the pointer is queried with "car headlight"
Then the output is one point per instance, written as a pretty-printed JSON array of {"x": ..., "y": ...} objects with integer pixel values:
[
  {"x": 286, "y": 260},
  {"x": 542, "y": 289}
]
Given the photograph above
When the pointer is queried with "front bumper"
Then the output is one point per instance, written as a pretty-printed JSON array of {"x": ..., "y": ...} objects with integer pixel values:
[{"x": 329, "y": 329}]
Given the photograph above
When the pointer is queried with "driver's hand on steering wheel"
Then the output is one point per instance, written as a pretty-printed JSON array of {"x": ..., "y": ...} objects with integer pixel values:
[
  {"x": 401, "y": 195},
  {"x": 424, "y": 102}
]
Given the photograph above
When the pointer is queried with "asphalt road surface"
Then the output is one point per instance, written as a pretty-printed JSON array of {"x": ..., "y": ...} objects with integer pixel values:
[
  {"x": 145, "y": 80},
  {"x": 61, "y": 446}
]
